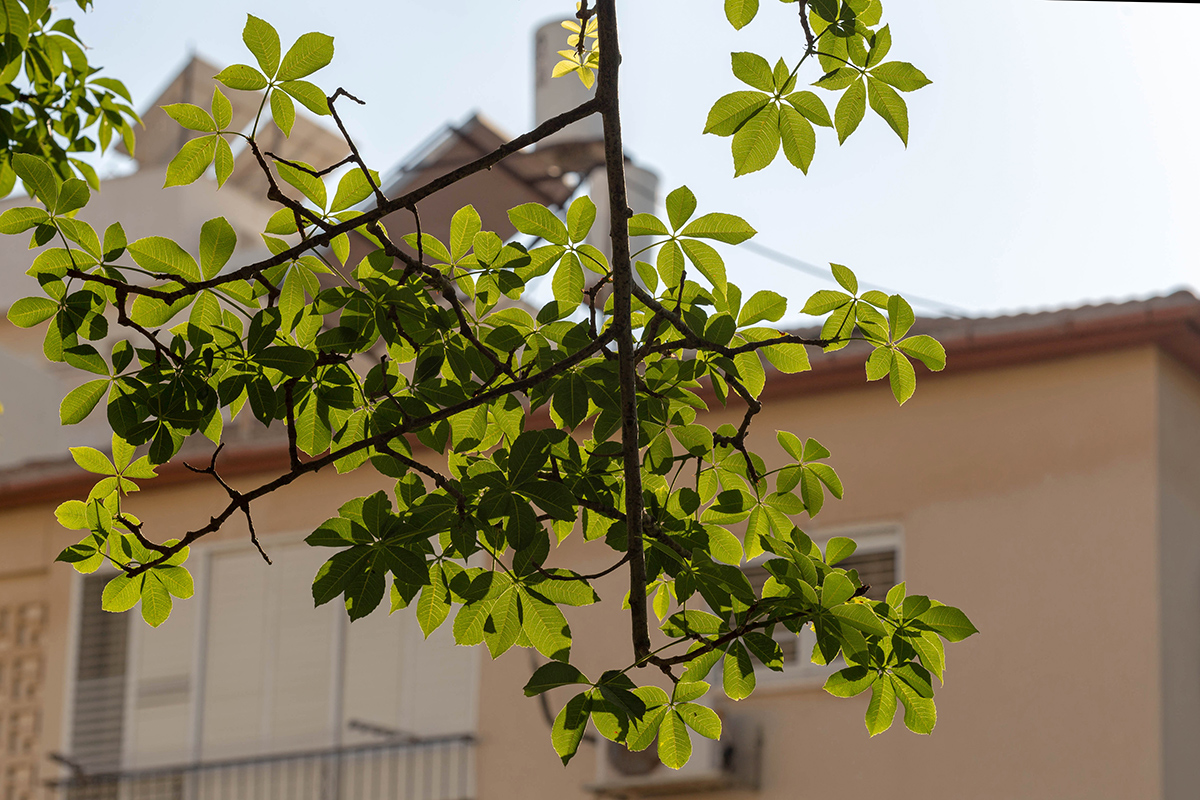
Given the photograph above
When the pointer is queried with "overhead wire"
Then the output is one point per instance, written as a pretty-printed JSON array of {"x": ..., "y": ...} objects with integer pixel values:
[{"x": 811, "y": 269}]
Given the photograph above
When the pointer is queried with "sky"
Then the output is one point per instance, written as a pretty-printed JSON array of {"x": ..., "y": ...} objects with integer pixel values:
[{"x": 1051, "y": 163}]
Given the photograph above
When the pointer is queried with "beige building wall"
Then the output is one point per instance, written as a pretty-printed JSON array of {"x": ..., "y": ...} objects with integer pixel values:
[
  {"x": 1179, "y": 518},
  {"x": 1021, "y": 493}
]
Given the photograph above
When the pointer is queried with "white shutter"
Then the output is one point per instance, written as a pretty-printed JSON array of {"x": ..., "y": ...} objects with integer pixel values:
[
  {"x": 163, "y": 689},
  {"x": 268, "y": 666},
  {"x": 396, "y": 679},
  {"x": 235, "y": 661},
  {"x": 300, "y": 674},
  {"x": 442, "y": 699}
]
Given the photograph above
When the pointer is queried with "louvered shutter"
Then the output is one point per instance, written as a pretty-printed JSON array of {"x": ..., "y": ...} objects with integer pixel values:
[{"x": 98, "y": 711}]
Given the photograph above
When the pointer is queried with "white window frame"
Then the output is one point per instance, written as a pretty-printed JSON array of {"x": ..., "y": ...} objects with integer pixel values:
[{"x": 800, "y": 673}]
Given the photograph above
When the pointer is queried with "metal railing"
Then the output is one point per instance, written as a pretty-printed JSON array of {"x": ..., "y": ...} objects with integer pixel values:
[{"x": 427, "y": 769}]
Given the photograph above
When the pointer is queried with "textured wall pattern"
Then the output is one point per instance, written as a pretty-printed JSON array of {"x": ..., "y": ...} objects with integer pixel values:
[{"x": 22, "y": 667}]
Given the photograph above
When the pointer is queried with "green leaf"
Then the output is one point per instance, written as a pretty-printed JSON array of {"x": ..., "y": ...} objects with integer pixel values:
[
  {"x": 121, "y": 593},
  {"x": 859, "y": 616},
  {"x": 464, "y": 226},
  {"x": 791, "y": 444},
  {"x": 756, "y": 143},
  {"x": 901, "y": 75},
  {"x": 434, "y": 605},
  {"x": 950, "y": 622},
  {"x": 787, "y": 358},
  {"x": 72, "y": 196},
  {"x": 30, "y": 311},
  {"x": 263, "y": 42},
  {"x": 889, "y": 105},
  {"x": 639, "y": 225},
  {"x": 546, "y": 628},
  {"x": 309, "y": 96},
  {"x": 881, "y": 43},
  {"x": 850, "y": 110},
  {"x": 762, "y": 305},
  {"x": 19, "y": 220},
  {"x": 159, "y": 254},
  {"x": 191, "y": 117},
  {"x": 882, "y": 708},
  {"x": 811, "y": 107},
  {"x": 283, "y": 111},
  {"x": 93, "y": 461},
  {"x": 311, "y": 52},
  {"x": 740, "y": 12},
  {"x": 738, "y": 672},
  {"x": 903, "y": 378},
  {"x": 217, "y": 242},
  {"x": 353, "y": 188},
  {"x": 829, "y": 477},
  {"x": 79, "y": 402},
  {"x": 730, "y": 113},
  {"x": 176, "y": 580},
  {"x": 681, "y": 205},
  {"x": 798, "y": 138},
  {"x": 724, "y": 547},
  {"x": 879, "y": 363},
  {"x": 674, "y": 743},
  {"x": 156, "y": 601},
  {"x": 926, "y": 349},
  {"x": 835, "y": 590},
  {"x": 569, "y": 726},
  {"x": 551, "y": 676},
  {"x": 537, "y": 220},
  {"x": 580, "y": 218},
  {"x": 709, "y": 262},
  {"x": 72, "y": 515},
  {"x": 223, "y": 161},
  {"x": 222, "y": 109},
  {"x": 920, "y": 714},
  {"x": 311, "y": 186},
  {"x": 850, "y": 681},
  {"x": 242, "y": 77},
  {"x": 839, "y": 548},
  {"x": 725, "y": 228},
  {"x": 193, "y": 159},
  {"x": 568, "y": 281},
  {"x": 38, "y": 178},
  {"x": 571, "y": 399},
  {"x": 824, "y": 301},
  {"x": 753, "y": 69},
  {"x": 701, "y": 719},
  {"x": 900, "y": 317},
  {"x": 295, "y": 362}
]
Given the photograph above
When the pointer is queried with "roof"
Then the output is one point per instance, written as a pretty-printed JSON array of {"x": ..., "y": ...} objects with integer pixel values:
[{"x": 1170, "y": 323}]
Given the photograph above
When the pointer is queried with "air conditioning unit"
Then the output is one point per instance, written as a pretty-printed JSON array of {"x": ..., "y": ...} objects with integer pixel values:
[{"x": 731, "y": 763}]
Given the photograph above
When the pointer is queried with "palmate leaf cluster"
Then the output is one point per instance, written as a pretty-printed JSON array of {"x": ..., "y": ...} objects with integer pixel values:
[
  {"x": 54, "y": 104},
  {"x": 845, "y": 37},
  {"x": 507, "y": 428}
]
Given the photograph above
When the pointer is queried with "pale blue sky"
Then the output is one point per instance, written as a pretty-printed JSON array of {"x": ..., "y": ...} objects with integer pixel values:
[{"x": 1051, "y": 163}]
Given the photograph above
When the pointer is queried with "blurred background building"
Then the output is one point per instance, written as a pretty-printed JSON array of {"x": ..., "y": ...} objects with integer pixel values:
[{"x": 1048, "y": 483}]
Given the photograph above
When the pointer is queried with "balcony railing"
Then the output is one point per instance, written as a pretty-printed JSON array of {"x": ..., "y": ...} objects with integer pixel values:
[{"x": 429, "y": 769}]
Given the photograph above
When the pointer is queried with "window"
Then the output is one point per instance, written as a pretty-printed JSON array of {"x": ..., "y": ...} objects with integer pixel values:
[
  {"x": 877, "y": 560},
  {"x": 249, "y": 667}
]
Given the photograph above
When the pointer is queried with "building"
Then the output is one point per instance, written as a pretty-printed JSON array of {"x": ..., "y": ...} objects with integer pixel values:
[{"x": 1048, "y": 483}]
